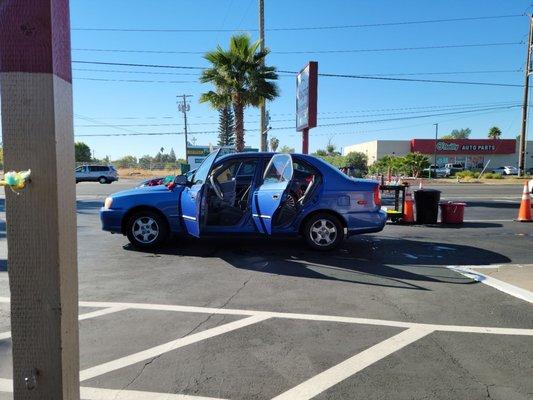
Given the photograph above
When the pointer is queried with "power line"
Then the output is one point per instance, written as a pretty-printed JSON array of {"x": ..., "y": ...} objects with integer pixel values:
[
  {"x": 289, "y": 120},
  {"x": 320, "y": 74},
  {"x": 489, "y": 71},
  {"x": 303, "y": 28},
  {"x": 292, "y": 127},
  {"x": 129, "y": 80},
  {"x": 339, "y": 51},
  {"x": 442, "y": 106}
]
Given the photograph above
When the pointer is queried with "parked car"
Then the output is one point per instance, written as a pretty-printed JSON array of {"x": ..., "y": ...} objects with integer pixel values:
[
  {"x": 96, "y": 173},
  {"x": 452, "y": 169},
  {"x": 248, "y": 194},
  {"x": 529, "y": 171},
  {"x": 436, "y": 171},
  {"x": 506, "y": 170}
]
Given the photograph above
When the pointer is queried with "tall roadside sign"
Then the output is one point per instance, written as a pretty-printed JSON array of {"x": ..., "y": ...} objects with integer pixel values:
[
  {"x": 306, "y": 101},
  {"x": 37, "y": 133}
]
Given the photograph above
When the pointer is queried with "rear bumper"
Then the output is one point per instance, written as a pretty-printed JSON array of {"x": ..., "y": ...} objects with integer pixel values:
[
  {"x": 111, "y": 220},
  {"x": 366, "y": 222}
]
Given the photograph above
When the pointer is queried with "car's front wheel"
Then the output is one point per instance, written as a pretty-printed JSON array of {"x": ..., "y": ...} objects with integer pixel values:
[
  {"x": 323, "y": 231},
  {"x": 147, "y": 229}
]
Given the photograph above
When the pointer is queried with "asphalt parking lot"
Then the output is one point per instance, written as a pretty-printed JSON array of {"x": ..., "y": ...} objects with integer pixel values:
[{"x": 387, "y": 316}]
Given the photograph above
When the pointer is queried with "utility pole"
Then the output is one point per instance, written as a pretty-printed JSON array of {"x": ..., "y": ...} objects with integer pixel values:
[
  {"x": 262, "y": 119},
  {"x": 184, "y": 107},
  {"x": 527, "y": 70},
  {"x": 36, "y": 97},
  {"x": 435, "y": 150}
]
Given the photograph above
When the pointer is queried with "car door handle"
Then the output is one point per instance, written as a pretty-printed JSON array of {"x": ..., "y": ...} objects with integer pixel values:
[{"x": 275, "y": 196}]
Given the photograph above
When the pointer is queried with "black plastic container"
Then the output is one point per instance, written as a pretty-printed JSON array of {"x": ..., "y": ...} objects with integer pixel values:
[{"x": 427, "y": 206}]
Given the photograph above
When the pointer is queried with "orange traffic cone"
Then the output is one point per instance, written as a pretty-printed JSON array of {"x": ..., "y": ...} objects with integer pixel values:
[
  {"x": 408, "y": 210},
  {"x": 524, "y": 214}
]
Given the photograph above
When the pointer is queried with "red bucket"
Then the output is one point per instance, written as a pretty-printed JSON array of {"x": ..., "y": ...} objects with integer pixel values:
[{"x": 452, "y": 213}]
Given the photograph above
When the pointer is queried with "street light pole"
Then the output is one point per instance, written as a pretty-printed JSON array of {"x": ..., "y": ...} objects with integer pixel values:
[
  {"x": 527, "y": 70},
  {"x": 184, "y": 107},
  {"x": 435, "y": 149},
  {"x": 262, "y": 119}
]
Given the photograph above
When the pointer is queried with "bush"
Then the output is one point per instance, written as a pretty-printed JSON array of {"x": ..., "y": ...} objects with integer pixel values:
[
  {"x": 492, "y": 175},
  {"x": 467, "y": 174}
]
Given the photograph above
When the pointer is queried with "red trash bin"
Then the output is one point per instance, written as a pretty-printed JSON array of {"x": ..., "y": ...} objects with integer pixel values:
[{"x": 452, "y": 213}]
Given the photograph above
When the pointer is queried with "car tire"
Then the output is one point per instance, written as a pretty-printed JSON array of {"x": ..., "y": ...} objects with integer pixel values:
[
  {"x": 147, "y": 229},
  {"x": 323, "y": 232},
  {"x": 102, "y": 180}
]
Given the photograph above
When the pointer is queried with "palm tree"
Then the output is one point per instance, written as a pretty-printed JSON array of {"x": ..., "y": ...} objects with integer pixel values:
[
  {"x": 240, "y": 78},
  {"x": 495, "y": 132}
]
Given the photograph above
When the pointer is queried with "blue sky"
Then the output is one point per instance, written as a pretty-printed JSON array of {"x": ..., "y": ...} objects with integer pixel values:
[{"x": 340, "y": 100}]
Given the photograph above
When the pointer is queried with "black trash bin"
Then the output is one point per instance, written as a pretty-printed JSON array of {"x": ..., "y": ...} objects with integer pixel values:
[{"x": 427, "y": 206}]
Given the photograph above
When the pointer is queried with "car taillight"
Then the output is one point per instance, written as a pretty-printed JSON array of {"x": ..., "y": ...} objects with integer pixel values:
[{"x": 377, "y": 196}]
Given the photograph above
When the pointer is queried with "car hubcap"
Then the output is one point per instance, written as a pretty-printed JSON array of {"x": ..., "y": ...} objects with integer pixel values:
[
  {"x": 323, "y": 232},
  {"x": 145, "y": 229}
]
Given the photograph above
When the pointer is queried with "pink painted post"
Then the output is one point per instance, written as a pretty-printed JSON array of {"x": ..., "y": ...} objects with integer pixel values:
[{"x": 36, "y": 93}]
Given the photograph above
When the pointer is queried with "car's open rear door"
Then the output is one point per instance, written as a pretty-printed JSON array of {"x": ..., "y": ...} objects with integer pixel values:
[
  {"x": 269, "y": 196},
  {"x": 192, "y": 195}
]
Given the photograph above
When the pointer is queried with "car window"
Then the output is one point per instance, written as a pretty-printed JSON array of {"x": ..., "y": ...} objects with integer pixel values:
[
  {"x": 202, "y": 171},
  {"x": 79, "y": 169},
  {"x": 246, "y": 168},
  {"x": 279, "y": 169}
]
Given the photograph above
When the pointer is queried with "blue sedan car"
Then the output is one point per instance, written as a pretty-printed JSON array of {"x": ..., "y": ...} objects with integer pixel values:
[{"x": 250, "y": 194}]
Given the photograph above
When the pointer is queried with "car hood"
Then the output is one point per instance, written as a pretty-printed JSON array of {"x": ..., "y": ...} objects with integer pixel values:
[{"x": 140, "y": 191}]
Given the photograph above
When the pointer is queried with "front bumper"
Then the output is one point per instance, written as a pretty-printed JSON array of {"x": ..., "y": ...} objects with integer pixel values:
[{"x": 111, "y": 220}]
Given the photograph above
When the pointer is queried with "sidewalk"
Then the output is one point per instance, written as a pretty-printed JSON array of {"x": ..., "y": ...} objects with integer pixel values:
[{"x": 520, "y": 275}]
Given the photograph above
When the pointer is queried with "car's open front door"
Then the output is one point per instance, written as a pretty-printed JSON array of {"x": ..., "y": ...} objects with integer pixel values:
[
  {"x": 269, "y": 196},
  {"x": 192, "y": 196}
]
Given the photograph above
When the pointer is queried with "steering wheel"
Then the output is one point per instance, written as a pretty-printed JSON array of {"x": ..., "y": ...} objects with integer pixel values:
[{"x": 216, "y": 188}]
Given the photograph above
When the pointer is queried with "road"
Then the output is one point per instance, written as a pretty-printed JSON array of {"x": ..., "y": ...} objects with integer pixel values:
[{"x": 383, "y": 317}]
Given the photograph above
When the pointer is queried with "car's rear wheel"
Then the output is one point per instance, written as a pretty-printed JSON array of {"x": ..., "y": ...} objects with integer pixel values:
[
  {"x": 323, "y": 231},
  {"x": 102, "y": 180},
  {"x": 147, "y": 229}
]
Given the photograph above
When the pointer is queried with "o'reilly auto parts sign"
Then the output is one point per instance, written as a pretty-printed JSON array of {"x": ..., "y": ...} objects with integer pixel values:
[{"x": 464, "y": 146}]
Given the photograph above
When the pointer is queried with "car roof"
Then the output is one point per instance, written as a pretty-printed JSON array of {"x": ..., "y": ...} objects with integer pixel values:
[{"x": 257, "y": 154}]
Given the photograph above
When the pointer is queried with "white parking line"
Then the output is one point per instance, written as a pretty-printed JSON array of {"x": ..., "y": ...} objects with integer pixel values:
[
  {"x": 323, "y": 381},
  {"x": 81, "y": 317},
  {"x": 88, "y": 393},
  {"x": 169, "y": 346},
  {"x": 505, "y": 287}
]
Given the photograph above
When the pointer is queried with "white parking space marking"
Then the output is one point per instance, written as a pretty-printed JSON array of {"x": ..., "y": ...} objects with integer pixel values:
[
  {"x": 505, "y": 287},
  {"x": 81, "y": 317},
  {"x": 87, "y": 393},
  {"x": 314, "y": 317},
  {"x": 99, "y": 313},
  {"x": 169, "y": 346},
  {"x": 323, "y": 381}
]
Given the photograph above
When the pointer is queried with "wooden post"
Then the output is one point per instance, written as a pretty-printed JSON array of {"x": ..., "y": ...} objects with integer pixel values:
[{"x": 36, "y": 90}]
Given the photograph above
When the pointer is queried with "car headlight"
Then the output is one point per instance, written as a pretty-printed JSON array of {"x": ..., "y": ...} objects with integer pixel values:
[{"x": 108, "y": 202}]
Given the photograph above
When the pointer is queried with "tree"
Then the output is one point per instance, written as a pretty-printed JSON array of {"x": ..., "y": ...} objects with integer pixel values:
[
  {"x": 331, "y": 150},
  {"x": 226, "y": 127},
  {"x": 495, "y": 133},
  {"x": 415, "y": 163},
  {"x": 356, "y": 160},
  {"x": 463, "y": 133},
  {"x": 286, "y": 149},
  {"x": 241, "y": 79},
  {"x": 82, "y": 152},
  {"x": 274, "y": 143},
  {"x": 127, "y": 162},
  {"x": 320, "y": 153},
  {"x": 172, "y": 156}
]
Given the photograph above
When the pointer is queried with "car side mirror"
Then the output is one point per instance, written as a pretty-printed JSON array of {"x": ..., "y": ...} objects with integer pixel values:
[{"x": 180, "y": 180}]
